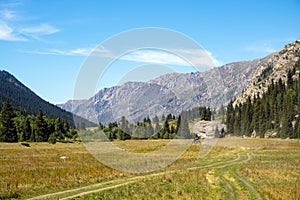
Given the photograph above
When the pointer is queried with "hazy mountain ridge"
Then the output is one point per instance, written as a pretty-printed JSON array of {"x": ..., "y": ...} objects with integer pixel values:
[{"x": 170, "y": 93}]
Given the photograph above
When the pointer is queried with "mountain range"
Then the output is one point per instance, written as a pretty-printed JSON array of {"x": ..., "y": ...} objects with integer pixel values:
[
  {"x": 172, "y": 93},
  {"x": 169, "y": 93}
]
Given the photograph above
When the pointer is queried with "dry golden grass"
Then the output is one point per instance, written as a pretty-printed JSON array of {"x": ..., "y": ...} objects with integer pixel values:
[
  {"x": 141, "y": 146},
  {"x": 273, "y": 172},
  {"x": 28, "y": 171}
]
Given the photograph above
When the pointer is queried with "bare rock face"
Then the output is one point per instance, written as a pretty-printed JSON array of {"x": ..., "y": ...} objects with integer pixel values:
[
  {"x": 277, "y": 66},
  {"x": 172, "y": 93}
]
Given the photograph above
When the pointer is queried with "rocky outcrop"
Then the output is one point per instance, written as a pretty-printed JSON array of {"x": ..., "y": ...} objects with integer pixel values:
[{"x": 276, "y": 67}]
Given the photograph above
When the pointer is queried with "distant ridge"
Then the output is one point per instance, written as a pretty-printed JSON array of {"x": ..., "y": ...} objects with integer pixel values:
[
  {"x": 25, "y": 100},
  {"x": 170, "y": 93}
]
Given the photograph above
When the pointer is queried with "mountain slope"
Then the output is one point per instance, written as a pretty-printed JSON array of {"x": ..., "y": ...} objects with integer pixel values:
[
  {"x": 276, "y": 67},
  {"x": 170, "y": 93},
  {"x": 24, "y": 100},
  {"x": 270, "y": 105}
]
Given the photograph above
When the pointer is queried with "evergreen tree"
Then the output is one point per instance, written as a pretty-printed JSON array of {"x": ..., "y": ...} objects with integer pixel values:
[
  {"x": 52, "y": 139},
  {"x": 163, "y": 117},
  {"x": 274, "y": 111},
  {"x": 237, "y": 121},
  {"x": 66, "y": 126},
  {"x": 166, "y": 127},
  {"x": 207, "y": 116},
  {"x": 23, "y": 127},
  {"x": 157, "y": 129},
  {"x": 169, "y": 117},
  {"x": 230, "y": 117},
  {"x": 124, "y": 125},
  {"x": 8, "y": 132},
  {"x": 41, "y": 132},
  {"x": 183, "y": 130},
  {"x": 155, "y": 119},
  {"x": 178, "y": 124}
]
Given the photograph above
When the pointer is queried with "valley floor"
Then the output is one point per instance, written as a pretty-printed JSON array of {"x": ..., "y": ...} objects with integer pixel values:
[{"x": 236, "y": 168}]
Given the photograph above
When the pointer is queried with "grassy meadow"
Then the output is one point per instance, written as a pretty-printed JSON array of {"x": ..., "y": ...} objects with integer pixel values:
[{"x": 236, "y": 168}]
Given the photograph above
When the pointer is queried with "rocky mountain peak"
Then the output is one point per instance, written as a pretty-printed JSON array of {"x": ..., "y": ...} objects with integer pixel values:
[{"x": 275, "y": 68}]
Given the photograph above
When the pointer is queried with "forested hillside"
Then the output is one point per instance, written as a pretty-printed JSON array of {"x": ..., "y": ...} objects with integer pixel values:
[
  {"x": 18, "y": 127},
  {"x": 25, "y": 101},
  {"x": 275, "y": 114}
]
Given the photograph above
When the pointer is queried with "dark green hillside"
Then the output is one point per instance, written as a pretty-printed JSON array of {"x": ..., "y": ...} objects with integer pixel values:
[{"x": 26, "y": 101}]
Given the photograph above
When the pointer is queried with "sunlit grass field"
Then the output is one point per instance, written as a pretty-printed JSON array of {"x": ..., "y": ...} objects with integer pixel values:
[
  {"x": 38, "y": 169},
  {"x": 236, "y": 168}
]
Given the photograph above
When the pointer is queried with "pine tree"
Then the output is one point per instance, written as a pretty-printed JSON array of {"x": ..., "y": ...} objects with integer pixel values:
[
  {"x": 178, "y": 124},
  {"x": 237, "y": 120},
  {"x": 275, "y": 110},
  {"x": 41, "y": 132},
  {"x": 157, "y": 129},
  {"x": 183, "y": 129},
  {"x": 166, "y": 127},
  {"x": 8, "y": 132},
  {"x": 155, "y": 119},
  {"x": 26, "y": 128},
  {"x": 52, "y": 139},
  {"x": 124, "y": 125},
  {"x": 230, "y": 113}
]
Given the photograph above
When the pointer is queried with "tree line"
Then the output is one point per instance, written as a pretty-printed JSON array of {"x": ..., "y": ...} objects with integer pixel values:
[
  {"x": 168, "y": 127},
  {"x": 276, "y": 111},
  {"x": 18, "y": 127}
]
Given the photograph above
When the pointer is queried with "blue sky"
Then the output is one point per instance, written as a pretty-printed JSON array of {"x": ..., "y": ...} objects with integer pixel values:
[{"x": 44, "y": 43}]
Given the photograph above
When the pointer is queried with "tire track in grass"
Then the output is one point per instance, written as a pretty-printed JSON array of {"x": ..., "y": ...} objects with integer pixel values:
[
  {"x": 251, "y": 188},
  {"x": 98, "y": 190},
  {"x": 231, "y": 193},
  {"x": 125, "y": 181},
  {"x": 226, "y": 182},
  {"x": 216, "y": 165},
  {"x": 247, "y": 184}
]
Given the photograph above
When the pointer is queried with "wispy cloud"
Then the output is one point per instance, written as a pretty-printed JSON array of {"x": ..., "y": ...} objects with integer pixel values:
[
  {"x": 185, "y": 57},
  {"x": 182, "y": 57},
  {"x": 8, "y": 33},
  {"x": 11, "y": 30},
  {"x": 8, "y": 14},
  {"x": 157, "y": 57},
  {"x": 42, "y": 29},
  {"x": 200, "y": 57},
  {"x": 73, "y": 52}
]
